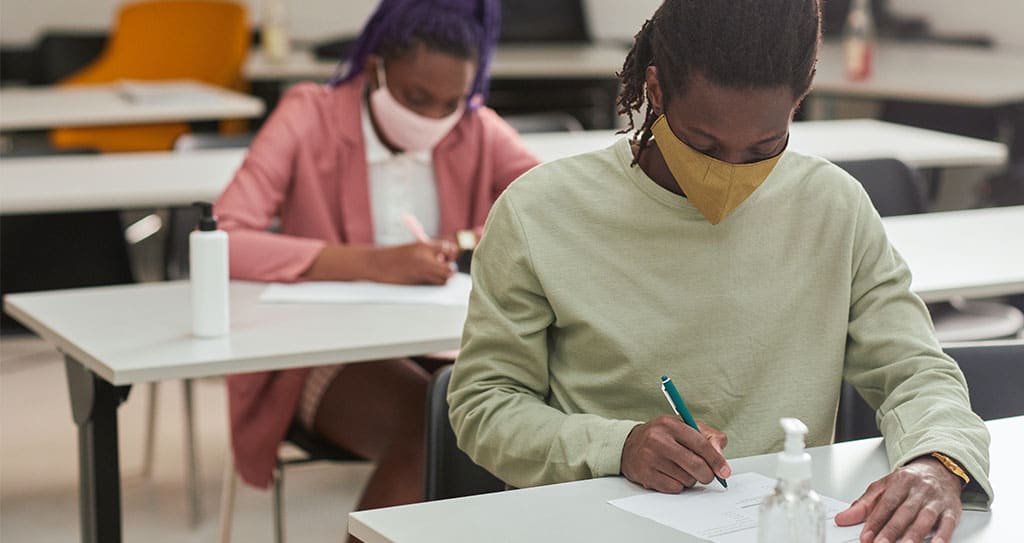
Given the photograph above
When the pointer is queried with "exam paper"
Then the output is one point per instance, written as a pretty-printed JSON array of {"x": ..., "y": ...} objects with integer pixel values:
[
  {"x": 454, "y": 292},
  {"x": 725, "y": 516}
]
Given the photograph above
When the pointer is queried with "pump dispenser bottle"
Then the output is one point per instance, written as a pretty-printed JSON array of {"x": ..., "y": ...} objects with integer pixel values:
[
  {"x": 208, "y": 274},
  {"x": 792, "y": 512}
]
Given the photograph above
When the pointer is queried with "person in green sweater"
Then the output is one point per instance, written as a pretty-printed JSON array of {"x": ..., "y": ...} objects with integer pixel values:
[{"x": 758, "y": 278}]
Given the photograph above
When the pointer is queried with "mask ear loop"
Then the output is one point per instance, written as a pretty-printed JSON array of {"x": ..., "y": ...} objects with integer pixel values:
[{"x": 382, "y": 80}]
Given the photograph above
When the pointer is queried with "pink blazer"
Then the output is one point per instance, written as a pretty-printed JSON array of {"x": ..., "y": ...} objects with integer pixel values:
[{"x": 307, "y": 166}]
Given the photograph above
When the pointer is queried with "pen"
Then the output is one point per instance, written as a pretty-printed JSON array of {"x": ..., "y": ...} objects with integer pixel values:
[
  {"x": 676, "y": 401},
  {"x": 412, "y": 224}
]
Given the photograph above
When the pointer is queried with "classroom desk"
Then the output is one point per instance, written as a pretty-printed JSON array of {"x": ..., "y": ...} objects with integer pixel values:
[
  {"x": 38, "y": 108},
  {"x": 114, "y": 337},
  {"x": 162, "y": 179},
  {"x": 972, "y": 253},
  {"x": 924, "y": 72},
  {"x": 836, "y": 140},
  {"x": 579, "y": 511},
  {"x": 927, "y": 72},
  {"x": 545, "y": 61}
]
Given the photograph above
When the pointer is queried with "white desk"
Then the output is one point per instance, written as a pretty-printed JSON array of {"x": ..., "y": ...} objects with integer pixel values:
[
  {"x": 921, "y": 72},
  {"x": 131, "y": 334},
  {"x": 37, "y": 108},
  {"x": 143, "y": 180},
  {"x": 547, "y": 61},
  {"x": 114, "y": 180},
  {"x": 972, "y": 253},
  {"x": 579, "y": 511},
  {"x": 836, "y": 140},
  {"x": 139, "y": 333}
]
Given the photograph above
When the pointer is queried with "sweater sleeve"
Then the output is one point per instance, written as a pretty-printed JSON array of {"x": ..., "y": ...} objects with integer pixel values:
[
  {"x": 500, "y": 382},
  {"x": 253, "y": 198},
  {"x": 896, "y": 364}
]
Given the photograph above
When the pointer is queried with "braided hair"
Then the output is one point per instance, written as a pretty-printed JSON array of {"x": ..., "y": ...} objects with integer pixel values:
[
  {"x": 741, "y": 44},
  {"x": 461, "y": 28}
]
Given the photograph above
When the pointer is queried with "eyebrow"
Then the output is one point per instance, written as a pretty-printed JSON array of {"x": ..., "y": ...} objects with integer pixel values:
[{"x": 769, "y": 139}]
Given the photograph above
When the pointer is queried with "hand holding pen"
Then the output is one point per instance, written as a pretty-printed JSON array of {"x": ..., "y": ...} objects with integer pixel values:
[
  {"x": 448, "y": 251},
  {"x": 667, "y": 455}
]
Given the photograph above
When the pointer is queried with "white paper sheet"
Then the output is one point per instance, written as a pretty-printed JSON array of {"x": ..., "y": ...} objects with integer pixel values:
[
  {"x": 167, "y": 92},
  {"x": 455, "y": 292},
  {"x": 724, "y": 516}
]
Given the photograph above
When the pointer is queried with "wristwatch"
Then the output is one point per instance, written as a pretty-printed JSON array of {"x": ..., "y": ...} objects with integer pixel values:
[
  {"x": 953, "y": 467},
  {"x": 466, "y": 239}
]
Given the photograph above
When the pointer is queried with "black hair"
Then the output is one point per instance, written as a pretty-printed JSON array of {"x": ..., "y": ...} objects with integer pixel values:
[
  {"x": 465, "y": 29},
  {"x": 733, "y": 43}
]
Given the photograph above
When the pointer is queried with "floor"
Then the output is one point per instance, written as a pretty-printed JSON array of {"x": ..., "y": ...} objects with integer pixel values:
[{"x": 39, "y": 470}]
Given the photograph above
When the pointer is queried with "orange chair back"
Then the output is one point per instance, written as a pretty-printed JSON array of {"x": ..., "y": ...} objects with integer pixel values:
[{"x": 205, "y": 40}]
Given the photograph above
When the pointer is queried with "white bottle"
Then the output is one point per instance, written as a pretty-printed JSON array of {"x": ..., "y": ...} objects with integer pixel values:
[
  {"x": 274, "y": 31},
  {"x": 208, "y": 273},
  {"x": 792, "y": 513}
]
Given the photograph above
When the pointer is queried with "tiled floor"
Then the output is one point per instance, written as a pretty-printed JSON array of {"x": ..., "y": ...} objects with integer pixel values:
[{"x": 39, "y": 465}]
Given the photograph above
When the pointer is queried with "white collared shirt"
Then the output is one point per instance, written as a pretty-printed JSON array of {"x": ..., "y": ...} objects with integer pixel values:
[{"x": 399, "y": 183}]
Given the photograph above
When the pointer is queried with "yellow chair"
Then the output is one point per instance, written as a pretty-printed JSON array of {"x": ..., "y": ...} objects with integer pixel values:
[{"x": 204, "y": 40}]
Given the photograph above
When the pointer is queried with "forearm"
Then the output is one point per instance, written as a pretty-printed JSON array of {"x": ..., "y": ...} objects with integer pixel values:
[
  {"x": 343, "y": 263},
  {"x": 525, "y": 442}
]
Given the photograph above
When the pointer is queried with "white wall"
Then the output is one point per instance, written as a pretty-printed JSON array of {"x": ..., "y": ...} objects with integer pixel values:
[
  {"x": 999, "y": 19},
  {"x": 22, "y": 20}
]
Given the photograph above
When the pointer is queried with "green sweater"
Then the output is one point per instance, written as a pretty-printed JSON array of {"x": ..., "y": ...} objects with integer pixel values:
[{"x": 591, "y": 281}]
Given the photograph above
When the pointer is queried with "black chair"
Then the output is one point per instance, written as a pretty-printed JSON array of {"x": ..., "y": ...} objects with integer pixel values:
[
  {"x": 896, "y": 189},
  {"x": 314, "y": 449},
  {"x": 449, "y": 472},
  {"x": 57, "y": 55},
  {"x": 995, "y": 377}
]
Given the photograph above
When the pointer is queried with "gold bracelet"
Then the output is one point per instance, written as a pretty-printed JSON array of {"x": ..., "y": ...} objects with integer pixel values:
[{"x": 953, "y": 467}]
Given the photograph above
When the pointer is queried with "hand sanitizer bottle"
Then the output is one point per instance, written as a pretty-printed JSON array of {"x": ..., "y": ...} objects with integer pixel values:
[
  {"x": 792, "y": 513},
  {"x": 859, "y": 41},
  {"x": 208, "y": 273}
]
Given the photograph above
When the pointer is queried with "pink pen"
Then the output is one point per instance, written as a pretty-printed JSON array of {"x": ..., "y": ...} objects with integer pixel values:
[{"x": 413, "y": 225}]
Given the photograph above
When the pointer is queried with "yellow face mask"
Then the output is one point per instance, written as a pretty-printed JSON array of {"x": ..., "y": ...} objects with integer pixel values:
[{"x": 714, "y": 187}]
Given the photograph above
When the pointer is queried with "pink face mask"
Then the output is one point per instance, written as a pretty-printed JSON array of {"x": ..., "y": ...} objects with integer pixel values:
[{"x": 403, "y": 127}]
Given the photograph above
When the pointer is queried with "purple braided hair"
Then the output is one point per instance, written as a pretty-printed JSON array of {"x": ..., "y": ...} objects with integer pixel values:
[{"x": 473, "y": 25}]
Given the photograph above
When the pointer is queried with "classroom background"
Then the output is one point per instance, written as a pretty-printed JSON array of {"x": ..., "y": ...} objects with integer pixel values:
[{"x": 173, "y": 437}]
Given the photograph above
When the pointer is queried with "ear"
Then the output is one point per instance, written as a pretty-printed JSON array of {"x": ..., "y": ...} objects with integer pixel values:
[
  {"x": 370, "y": 70},
  {"x": 654, "y": 96}
]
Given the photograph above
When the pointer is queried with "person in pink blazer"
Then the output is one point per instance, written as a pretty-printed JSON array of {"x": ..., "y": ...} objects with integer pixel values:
[{"x": 400, "y": 130}]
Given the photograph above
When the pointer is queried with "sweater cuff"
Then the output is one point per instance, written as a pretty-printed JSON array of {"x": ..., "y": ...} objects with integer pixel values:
[{"x": 607, "y": 458}]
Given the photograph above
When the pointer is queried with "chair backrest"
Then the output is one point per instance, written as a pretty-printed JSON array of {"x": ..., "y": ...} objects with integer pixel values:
[
  {"x": 532, "y": 21},
  {"x": 995, "y": 376},
  {"x": 894, "y": 187},
  {"x": 206, "y": 40},
  {"x": 60, "y": 54},
  {"x": 995, "y": 379},
  {"x": 450, "y": 473}
]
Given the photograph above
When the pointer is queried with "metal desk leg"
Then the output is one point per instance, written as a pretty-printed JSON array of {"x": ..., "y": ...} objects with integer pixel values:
[{"x": 94, "y": 404}]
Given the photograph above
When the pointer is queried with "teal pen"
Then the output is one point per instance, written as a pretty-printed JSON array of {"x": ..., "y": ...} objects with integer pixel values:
[{"x": 676, "y": 401}]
